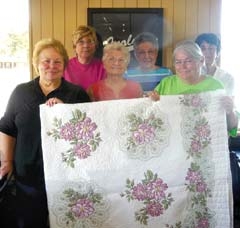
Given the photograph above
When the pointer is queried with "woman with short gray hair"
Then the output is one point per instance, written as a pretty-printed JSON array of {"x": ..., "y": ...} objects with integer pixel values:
[{"x": 115, "y": 61}]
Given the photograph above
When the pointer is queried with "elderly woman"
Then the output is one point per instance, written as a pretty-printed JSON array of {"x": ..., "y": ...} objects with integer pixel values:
[
  {"x": 20, "y": 130},
  {"x": 147, "y": 72},
  {"x": 84, "y": 69},
  {"x": 188, "y": 60},
  {"x": 115, "y": 60}
]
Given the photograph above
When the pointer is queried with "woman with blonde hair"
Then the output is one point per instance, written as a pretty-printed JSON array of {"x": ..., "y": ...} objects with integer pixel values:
[
  {"x": 20, "y": 130},
  {"x": 84, "y": 69}
]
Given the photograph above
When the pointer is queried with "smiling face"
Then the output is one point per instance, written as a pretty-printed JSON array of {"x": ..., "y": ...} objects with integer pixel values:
[
  {"x": 115, "y": 62},
  {"x": 50, "y": 64},
  {"x": 187, "y": 68},
  {"x": 146, "y": 55}
]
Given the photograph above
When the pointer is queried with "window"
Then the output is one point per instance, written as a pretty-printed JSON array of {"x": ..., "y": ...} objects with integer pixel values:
[
  {"x": 14, "y": 47},
  {"x": 230, "y": 36}
]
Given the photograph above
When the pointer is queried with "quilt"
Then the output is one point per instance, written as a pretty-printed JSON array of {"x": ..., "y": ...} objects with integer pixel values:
[{"x": 138, "y": 163}]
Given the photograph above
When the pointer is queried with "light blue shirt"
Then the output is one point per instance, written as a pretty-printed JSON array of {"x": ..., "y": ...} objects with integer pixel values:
[{"x": 150, "y": 79}]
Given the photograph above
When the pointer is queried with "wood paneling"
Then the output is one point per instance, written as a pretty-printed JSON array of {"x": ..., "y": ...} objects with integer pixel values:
[
  {"x": 183, "y": 19},
  {"x": 94, "y": 3},
  {"x": 155, "y": 3},
  {"x": 82, "y": 6},
  {"x": 118, "y": 4},
  {"x": 204, "y": 15},
  {"x": 107, "y": 4},
  {"x": 143, "y": 3},
  {"x": 47, "y": 18},
  {"x": 58, "y": 19},
  {"x": 215, "y": 17},
  {"x": 131, "y": 3},
  {"x": 168, "y": 26},
  {"x": 179, "y": 20},
  {"x": 191, "y": 18},
  {"x": 70, "y": 22}
]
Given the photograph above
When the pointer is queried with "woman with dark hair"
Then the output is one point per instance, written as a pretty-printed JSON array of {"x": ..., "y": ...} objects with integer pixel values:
[{"x": 210, "y": 45}]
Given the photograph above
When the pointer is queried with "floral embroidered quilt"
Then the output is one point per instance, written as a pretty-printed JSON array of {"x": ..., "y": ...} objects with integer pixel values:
[{"x": 138, "y": 163}]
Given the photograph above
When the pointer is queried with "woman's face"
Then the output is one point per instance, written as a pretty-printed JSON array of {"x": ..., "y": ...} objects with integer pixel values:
[
  {"x": 115, "y": 62},
  {"x": 85, "y": 47},
  {"x": 50, "y": 65},
  {"x": 210, "y": 52},
  {"x": 146, "y": 55},
  {"x": 187, "y": 68}
]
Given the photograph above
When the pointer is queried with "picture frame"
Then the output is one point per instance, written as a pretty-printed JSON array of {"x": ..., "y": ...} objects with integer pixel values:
[{"x": 123, "y": 24}]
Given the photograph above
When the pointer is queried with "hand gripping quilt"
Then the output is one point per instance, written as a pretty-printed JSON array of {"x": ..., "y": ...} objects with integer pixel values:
[{"x": 138, "y": 163}]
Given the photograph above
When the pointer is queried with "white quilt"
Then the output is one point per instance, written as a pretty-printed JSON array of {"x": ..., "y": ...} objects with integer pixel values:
[{"x": 138, "y": 163}]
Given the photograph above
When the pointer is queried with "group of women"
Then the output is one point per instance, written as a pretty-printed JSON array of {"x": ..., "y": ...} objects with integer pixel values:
[{"x": 83, "y": 78}]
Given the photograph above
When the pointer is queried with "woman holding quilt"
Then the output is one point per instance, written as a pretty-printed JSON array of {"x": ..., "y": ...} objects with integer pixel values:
[
  {"x": 188, "y": 61},
  {"x": 20, "y": 130}
]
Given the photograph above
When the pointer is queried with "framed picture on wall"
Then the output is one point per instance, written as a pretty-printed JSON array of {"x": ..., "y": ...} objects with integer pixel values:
[{"x": 123, "y": 24}]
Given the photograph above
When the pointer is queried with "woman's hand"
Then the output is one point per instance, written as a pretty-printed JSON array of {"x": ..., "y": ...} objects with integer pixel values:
[
  {"x": 228, "y": 105},
  {"x": 52, "y": 101},
  {"x": 153, "y": 95}
]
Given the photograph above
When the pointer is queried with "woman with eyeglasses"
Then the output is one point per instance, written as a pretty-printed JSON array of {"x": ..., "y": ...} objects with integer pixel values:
[
  {"x": 115, "y": 60},
  {"x": 147, "y": 72},
  {"x": 20, "y": 130},
  {"x": 188, "y": 61},
  {"x": 84, "y": 69}
]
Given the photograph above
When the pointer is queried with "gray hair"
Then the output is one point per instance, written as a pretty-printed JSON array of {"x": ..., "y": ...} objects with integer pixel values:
[
  {"x": 145, "y": 37},
  {"x": 191, "y": 48},
  {"x": 118, "y": 47}
]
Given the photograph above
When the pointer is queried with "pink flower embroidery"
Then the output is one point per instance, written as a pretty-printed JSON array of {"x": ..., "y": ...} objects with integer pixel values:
[
  {"x": 144, "y": 133},
  {"x": 83, "y": 208}
]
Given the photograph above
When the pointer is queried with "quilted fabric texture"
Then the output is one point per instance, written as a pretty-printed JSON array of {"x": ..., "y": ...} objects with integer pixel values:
[{"x": 138, "y": 163}]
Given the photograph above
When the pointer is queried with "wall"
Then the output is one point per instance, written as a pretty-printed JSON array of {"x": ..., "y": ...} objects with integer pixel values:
[{"x": 183, "y": 19}]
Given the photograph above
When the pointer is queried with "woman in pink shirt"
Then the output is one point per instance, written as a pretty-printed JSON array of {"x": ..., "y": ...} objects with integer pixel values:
[
  {"x": 84, "y": 69},
  {"x": 115, "y": 60}
]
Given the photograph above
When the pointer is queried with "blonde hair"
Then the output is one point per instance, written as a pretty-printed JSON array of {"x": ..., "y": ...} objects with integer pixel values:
[
  {"x": 118, "y": 47},
  {"x": 83, "y": 31},
  {"x": 48, "y": 43}
]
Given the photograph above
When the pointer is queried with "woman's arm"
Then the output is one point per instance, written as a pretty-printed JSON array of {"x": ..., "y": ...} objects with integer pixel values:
[
  {"x": 232, "y": 118},
  {"x": 7, "y": 145}
]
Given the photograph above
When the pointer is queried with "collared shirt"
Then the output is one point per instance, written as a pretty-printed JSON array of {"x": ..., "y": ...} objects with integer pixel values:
[{"x": 22, "y": 121}]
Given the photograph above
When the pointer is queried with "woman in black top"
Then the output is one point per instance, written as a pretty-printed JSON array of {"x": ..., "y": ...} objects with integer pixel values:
[{"x": 20, "y": 130}]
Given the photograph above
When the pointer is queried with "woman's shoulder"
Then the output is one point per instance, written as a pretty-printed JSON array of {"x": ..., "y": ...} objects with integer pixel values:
[
  {"x": 163, "y": 69},
  {"x": 157, "y": 70},
  {"x": 133, "y": 83},
  {"x": 211, "y": 80},
  {"x": 224, "y": 75},
  {"x": 170, "y": 78}
]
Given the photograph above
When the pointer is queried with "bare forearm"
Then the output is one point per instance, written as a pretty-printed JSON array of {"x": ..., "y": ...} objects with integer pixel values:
[{"x": 232, "y": 120}]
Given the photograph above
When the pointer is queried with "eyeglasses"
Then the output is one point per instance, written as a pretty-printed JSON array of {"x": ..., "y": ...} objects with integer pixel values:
[
  {"x": 88, "y": 42},
  {"x": 47, "y": 62},
  {"x": 143, "y": 53},
  {"x": 114, "y": 60},
  {"x": 183, "y": 62}
]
